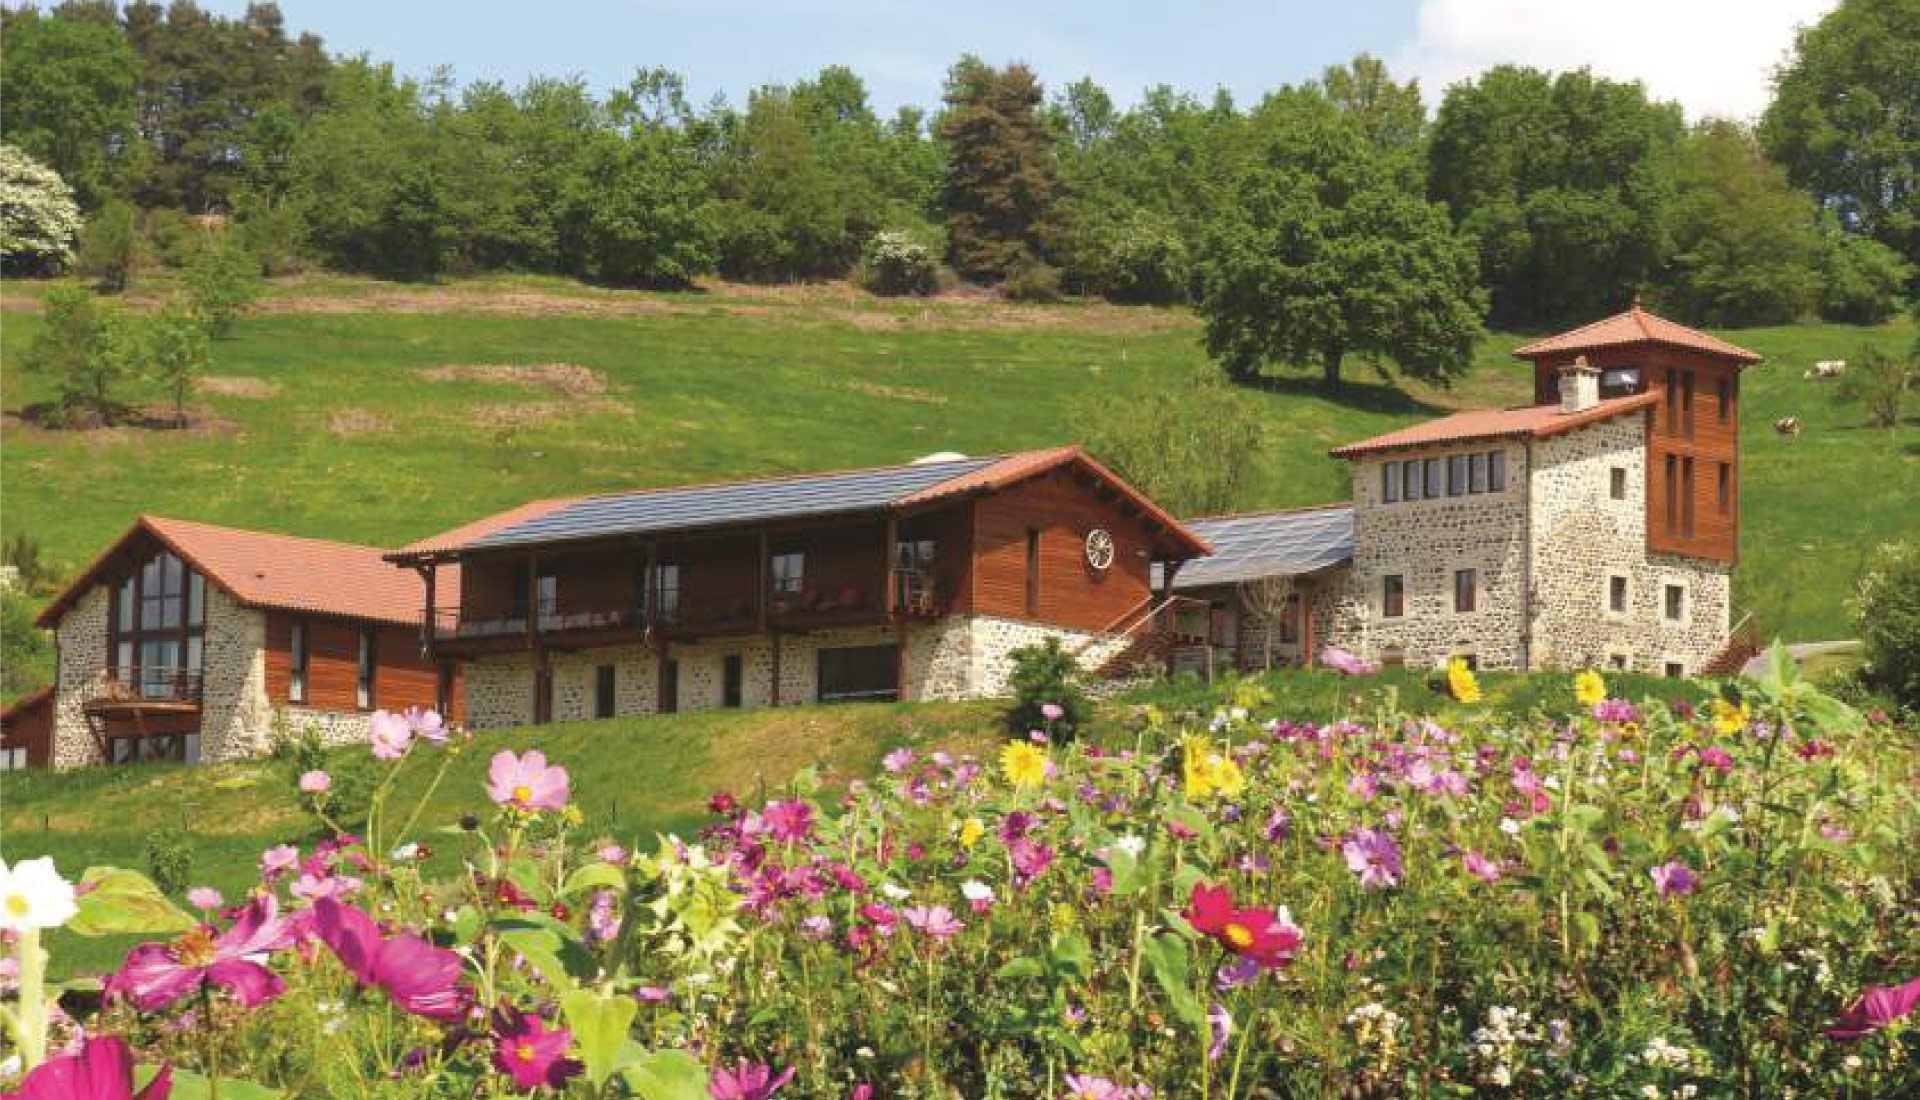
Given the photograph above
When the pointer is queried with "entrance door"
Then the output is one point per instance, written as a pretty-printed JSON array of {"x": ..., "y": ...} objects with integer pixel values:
[
  {"x": 732, "y": 676},
  {"x": 859, "y": 672},
  {"x": 669, "y": 686},
  {"x": 542, "y": 695}
]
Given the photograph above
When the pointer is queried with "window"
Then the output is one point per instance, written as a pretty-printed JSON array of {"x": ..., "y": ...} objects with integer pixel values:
[
  {"x": 1290, "y": 622},
  {"x": 1464, "y": 583},
  {"x": 789, "y": 573},
  {"x": 859, "y": 672},
  {"x": 666, "y": 592},
  {"x": 547, "y": 591},
  {"x": 1390, "y": 482},
  {"x": 1033, "y": 572},
  {"x": 1726, "y": 487},
  {"x": 1672, "y": 399},
  {"x": 1723, "y": 410},
  {"x": 1673, "y": 495},
  {"x": 1393, "y": 596},
  {"x": 363, "y": 682},
  {"x": 297, "y": 662},
  {"x": 1686, "y": 401},
  {"x": 916, "y": 555},
  {"x": 1617, "y": 661},
  {"x": 732, "y": 677},
  {"x": 13, "y": 758},
  {"x": 1410, "y": 479},
  {"x": 1619, "y": 381},
  {"x": 1617, "y": 594},
  {"x": 156, "y": 627},
  {"x": 1676, "y": 603},
  {"x": 1434, "y": 488},
  {"x": 1686, "y": 496},
  {"x": 604, "y": 682},
  {"x": 1617, "y": 483},
  {"x": 1456, "y": 475},
  {"x": 1674, "y": 670},
  {"x": 1496, "y": 471},
  {"x": 1477, "y": 473}
]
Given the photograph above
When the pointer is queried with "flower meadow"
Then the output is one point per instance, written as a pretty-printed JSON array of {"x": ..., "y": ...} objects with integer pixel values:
[{"x": 1714, "y": 898}]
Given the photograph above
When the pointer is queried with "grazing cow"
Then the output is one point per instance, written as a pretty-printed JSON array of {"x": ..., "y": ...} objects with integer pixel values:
[
  {"x": 1826, "y": 368},
  {"x": 1787, "y": 425}
]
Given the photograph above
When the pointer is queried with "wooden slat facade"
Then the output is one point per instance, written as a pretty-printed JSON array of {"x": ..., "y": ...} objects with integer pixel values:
[
  {"x": 402, "y": 676},
  {"x": 1059, "y": 510}
]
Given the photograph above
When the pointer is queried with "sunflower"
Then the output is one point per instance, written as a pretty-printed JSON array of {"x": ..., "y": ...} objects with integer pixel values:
[
  {"x": 1023, "y": 764},
  {"x": 971, "y": 830},
  {"x": 1209, "y": 772},
  {"x": 1462, "y": 682},
  {"x": 1729, "y": 718},
  {"x": 1589, "y": 688}
]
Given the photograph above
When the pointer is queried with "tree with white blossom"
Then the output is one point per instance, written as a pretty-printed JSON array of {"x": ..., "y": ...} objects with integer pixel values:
[{"x": 38, "y": 217}]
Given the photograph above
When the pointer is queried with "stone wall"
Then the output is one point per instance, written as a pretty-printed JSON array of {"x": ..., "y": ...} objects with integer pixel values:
[
  {"x": 1425, "y": 542},
  {"x": 82, "y": 641},
  {"x": 235, "y": 719},
  {"x": 332, "y": 727}
]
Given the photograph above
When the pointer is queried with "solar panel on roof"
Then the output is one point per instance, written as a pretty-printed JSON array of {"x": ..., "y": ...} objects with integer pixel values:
[
  {"x": 1268, "y": 544},
  {"x": 665, "y": 510}
]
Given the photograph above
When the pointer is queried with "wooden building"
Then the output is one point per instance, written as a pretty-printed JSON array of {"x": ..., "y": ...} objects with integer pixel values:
[
  {"x": 189, "y": 642},
  {"x": 896, "y": 582}
]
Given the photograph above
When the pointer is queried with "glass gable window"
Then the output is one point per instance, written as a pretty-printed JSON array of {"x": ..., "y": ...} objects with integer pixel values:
[{"x": 156, "y": 628}]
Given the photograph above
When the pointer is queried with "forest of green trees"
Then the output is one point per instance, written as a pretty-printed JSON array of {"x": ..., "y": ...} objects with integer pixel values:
[{"x": 1341, "y": 216}]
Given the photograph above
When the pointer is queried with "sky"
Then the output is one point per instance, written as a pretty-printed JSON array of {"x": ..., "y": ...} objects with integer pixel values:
[{"x": 1714, "y": 56}]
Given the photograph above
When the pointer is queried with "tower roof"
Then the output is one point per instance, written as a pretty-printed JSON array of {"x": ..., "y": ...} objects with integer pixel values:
[{"x": 1635, "y": 326}]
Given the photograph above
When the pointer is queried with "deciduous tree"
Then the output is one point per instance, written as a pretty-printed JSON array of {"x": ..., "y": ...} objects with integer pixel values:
[
  {"x": 38, "y": 217},
  {"x": 68, "y": 85},
  {"x": 1193, "y": 447}
]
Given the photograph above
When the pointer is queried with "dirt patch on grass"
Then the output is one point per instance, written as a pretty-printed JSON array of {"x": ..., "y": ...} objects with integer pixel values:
[
  {"x": 356, "y": 421},
  {"x": 517, "y": 303},
  {"x": 517, "y": 414},
  {"x": 565, "y": 379},
  {"x": 896, "y": 393},
  {"x": 46, "y": 422},
  {"x": 238, "y": 385}
]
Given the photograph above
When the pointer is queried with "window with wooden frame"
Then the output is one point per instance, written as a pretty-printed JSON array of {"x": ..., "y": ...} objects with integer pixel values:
[
  {"x": 13, "y": 758},
  {"x": 1673, "y": 494},
  {"x": 787, "y": 573},
  {"x": 1686, "y": 496},
  {"x": 1410, "y": 479},
  {"x": 667, "y": 582},
  {"x": 1724, "y": 395},
  {"x": 1496, "y": 471},
  {"x": 1456, "y": 475},
  {"x": 1672, "y": 399},
  {"x": 1725, "y": 495},
  {"x": 1435, "y": 487},
  {"x": 1393, "y": 596},
  {"x": 156, "y": 628},
  {"x": 1033, "y": 572},
  {"x": 1617, "y": 594},
  {"x": 1477, "y": 472},
  {"x": 363, "y": 683},
  {"x": 1466, "y": 583},
  {"x": 1686, "y": 401},
  {"x": 298, "y": 660},
  {"x": 1617, "y": 483},
  {"x": 1390, "y": 483},
  {"x": 1674, "y": 603}
]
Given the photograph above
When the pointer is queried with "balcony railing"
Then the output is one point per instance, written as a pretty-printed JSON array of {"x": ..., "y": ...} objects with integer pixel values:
[{"x": 132, "y": 685}]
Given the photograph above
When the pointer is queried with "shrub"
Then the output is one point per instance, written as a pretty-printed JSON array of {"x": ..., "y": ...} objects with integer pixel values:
[
  {"x": 222, "y": 281},
  {"x": 110, "y": 248},
  {"x": 1879, "y": 383},
  {"x": 1047, "y": 675},
  {"x": 273, "y": 233},
  {"x": 1035, "y": 282},
  {"x": 1886, "y": 611},
  {"x": 38, "y": 217},
  {"x": 350, "y": 794},
  {"x": 26, "y": 651},
  {"x": 1137, "y": 257},
  {"x": 896, "y": 264},
  {"x": 170, "y": 858},
  {"x": 1862, "y": 280}
]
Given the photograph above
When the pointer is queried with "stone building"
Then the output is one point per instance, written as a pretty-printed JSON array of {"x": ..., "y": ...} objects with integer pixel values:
[
  {"x": 899, "y": 582},
  {"x": 190, "y": 642},
  {"x": 1597, "y": 527}
]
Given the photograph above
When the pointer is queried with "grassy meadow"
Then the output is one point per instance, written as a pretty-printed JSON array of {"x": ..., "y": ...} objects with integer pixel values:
[{"x": 349, "y": 409}]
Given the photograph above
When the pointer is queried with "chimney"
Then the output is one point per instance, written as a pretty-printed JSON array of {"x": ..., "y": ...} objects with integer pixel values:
[{"x": 1579, "y": 386}]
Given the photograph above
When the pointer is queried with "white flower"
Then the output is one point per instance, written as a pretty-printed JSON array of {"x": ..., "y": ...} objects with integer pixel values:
[
  {"x": 1132, "y": 845},
  {"x": 976, "y": 891},
  {"x": 895, "y": 892},
  {"x": 1509, "y": 826},
  {"x": 406, "y": 852},
  {"x": 33, "y": 895}
]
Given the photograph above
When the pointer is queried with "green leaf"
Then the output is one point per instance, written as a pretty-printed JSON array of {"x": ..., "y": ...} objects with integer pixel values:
[
  {"x": 1588, "y": 926},
  {"x": 188, "y": 1085},
  {"x": 121, "y": 902},
  {"x": 667, "y": 1075},
  {"x": 1780, "y": 668},
  {"x": 1127, "y": 878},
  {"x": 1024, "y": 967},
  {"x": 1167, "y": 956},
  {"x": 604, "y": 876},
  {"x": 599, "y": 1022}
]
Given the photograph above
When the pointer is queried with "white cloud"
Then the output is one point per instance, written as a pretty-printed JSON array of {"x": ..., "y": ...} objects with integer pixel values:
[{"x": 1715, "y": 56}]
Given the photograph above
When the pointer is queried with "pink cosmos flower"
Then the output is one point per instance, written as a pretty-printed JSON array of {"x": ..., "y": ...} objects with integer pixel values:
[
  {"x": 746, "y": 1081},
  {"x": 1373, "y": 855},
  {"x": 534, "y": 1055},
  {"x": 897, "y": 761},
  {"x": 390, "y": 734},
  {"x": 157, "y": 974},
  {"x": 312, "y": 887},
  {"x": 1876, "y": 1008},
  {"x": 103, "y": 1070},
  {"x": 1089, "y": 1087},
  {"x": 791, "y": 820},
  {"x": 316, "y": 782},
  {"x": 613, "y": 853},
  {"x": 421, "y": 978},
  {"x": 1674, "y": 879},
  {"x": 205, "y": 897},
  {"x": 426, "y": 722},
  {"x": 1480, "y": 866},
  {"x": 1343, "y": 662},
  {"x": 278, "y": 859},
  {"x": 1052, "y": 712},
  {"x": 937, "y": 921},
  {"x": 526, "y": 781}
]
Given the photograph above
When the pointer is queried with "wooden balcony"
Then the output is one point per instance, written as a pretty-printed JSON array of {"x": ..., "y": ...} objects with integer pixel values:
[{"x": 141, "y": 691}]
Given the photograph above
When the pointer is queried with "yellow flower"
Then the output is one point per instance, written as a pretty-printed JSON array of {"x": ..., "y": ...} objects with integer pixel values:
[
  {"x": 1462, "y": 682},
  {"x": 971, "y": 830},
  {"x": 1023, "y": 764},
  {"x": 1209, "y": 772},
  {"x": 1062, "y": 918},
  {"x": 1727, "y": 718},
  {"x": 1589, "y": 688}
]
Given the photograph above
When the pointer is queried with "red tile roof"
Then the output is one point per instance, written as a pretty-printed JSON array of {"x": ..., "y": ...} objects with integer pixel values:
[
  {"x": 1635, "y": 326},
  {"x": 270, "y": 571},
  {"x": 1535, "y": 421}
]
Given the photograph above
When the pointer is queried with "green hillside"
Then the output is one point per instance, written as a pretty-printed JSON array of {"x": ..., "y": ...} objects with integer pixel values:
[{"x": 354, "y": 410}]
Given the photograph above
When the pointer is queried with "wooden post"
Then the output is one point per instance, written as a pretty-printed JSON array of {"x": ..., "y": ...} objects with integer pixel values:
[
  {"x": 902, "y": 668},
  {"x": 1168, "y": 570},
  {"x": 1306, "y": 625},
  {"x": 890, "y": 583},
  {"x": 766, "y": 582},
  {"x": 533, "y": 599},
  {"x": 650, "y": 597},
  {"x": 773, "y": 676},
  {"x": 429, "y": 625}
]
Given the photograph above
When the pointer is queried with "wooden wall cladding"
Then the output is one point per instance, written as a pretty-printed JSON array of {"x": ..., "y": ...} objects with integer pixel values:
[
  {"x": 1062, "y": 509},
  {"x": 1705, "y": 429},
  {"x": 30, "y": 727},
  {"x": 402, "y": 677}
]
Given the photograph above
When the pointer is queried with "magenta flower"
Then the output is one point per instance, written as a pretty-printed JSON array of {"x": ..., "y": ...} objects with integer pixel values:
[
  {"x": 316, "y": 782},
  {"x": 421, "y": 978},
  {"x": 1876, "y": 1008},
  {"x": 526, "y": 781},
  {"x": 390, "y": 734},
  {"x": 426, "y": 722},
  {"x": 1373, "y": 855},
  {"x": 1674, "y": 879},
  {"x": 1343, "y": 662},
  {"x": 937, "y": 921},
  {"x": 157, "y": 974},
  {"x": 526, "y": 1050},
  {"x": 1089, "y": 1087},
  {"x": 278, "y": 859},
  {"x": 897, "y": 761},
  {"x": 746, "y": 1081},
  {"x": 791, "y": 820},
  {"x": 103, "y": 1070},
  {"x": 1480, "y": 866}
]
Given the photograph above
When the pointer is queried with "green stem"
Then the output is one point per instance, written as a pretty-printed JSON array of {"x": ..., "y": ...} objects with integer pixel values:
[
  {"x": 31, "y": 1017},
  {"x": 210, "y": 1041},
  {"x": 446, "y": 758}
]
